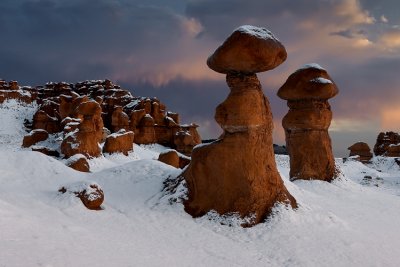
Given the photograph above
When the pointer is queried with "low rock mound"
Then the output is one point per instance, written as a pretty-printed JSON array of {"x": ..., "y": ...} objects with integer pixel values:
[
  {"x": 91, "y": 194},
  {"x": 362, "y": 150}
]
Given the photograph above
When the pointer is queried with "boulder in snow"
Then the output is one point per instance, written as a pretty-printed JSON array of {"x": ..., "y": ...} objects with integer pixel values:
[{"x": 34, "y": 137}]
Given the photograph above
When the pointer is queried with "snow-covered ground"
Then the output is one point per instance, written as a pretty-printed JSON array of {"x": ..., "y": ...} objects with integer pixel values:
[{"x": 354, "y": 221}]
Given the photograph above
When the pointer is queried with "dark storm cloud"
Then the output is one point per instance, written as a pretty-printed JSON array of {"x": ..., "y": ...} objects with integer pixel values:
[{"x": 79, "y": 38}]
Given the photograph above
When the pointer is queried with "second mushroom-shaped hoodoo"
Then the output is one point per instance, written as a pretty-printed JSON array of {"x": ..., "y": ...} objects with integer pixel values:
[
  {"x": 237, "y": 174},
  {"x": 306, "y": 125}
]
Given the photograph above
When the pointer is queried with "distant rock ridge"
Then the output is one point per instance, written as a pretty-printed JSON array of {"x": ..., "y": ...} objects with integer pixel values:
[{"x": 85, "y": 113}]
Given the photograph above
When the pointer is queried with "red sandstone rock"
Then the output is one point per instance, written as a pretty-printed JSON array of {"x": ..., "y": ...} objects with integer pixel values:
[
  {"x": 78, "y": 162},
  {"x": 145, "y": 132},
  {"x": 119, "y": 120},
  {"x": 136, "y": 117},
  {"x": 85, "y": 139},
  {"x": 387, "y": 144},
  {"x": 91, "y": 194},
  {"x": 34, "y": 137},
  {"x": 41, "y": 120},
  {"x": 184, "y": 142},
  {"x": 248, "y": 50},
  {"x": 183, "y": 161},
  {"x": 362, "y": 150},
  {"x": 169, "y": 157},
  {"x": 59, "y": 111},
  {"x": 157, "y": 113},
  {"x": 13, "y": 85},
  {"x": 174, "y": 116},
  {"x": 309, "y": 82},
  {"x": 92, "y": 197},
  {"x": 120, "y": 142},
  {"x": 237, "y": 173},
  {"x": 307, "y": 122}
]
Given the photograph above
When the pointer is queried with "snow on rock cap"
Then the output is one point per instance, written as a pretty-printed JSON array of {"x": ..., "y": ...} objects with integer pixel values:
[
  {"x": 308, "y": 82},
  {"x": 248, "y": 50}
]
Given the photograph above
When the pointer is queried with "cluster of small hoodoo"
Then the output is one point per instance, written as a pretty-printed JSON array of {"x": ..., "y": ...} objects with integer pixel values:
[
  {"x": 237, "y": 173},
  {"x": 306, "y": 124},
  {"x": 387, "y": 144},
  {"x": 91, "y": 113}
]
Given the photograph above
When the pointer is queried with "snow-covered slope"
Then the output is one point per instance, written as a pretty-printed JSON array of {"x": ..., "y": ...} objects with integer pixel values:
[{"x": 353, "y": 221}]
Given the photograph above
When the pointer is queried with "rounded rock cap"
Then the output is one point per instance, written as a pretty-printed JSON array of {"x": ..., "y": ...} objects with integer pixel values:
[
  {"x": 249, "y": 49},
  {"x": 359, "y": 146},
  {"x": 309, "y": 82}
]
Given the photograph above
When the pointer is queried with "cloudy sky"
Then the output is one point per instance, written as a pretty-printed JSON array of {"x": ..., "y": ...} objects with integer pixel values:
[{"x": 159, "y": 48}]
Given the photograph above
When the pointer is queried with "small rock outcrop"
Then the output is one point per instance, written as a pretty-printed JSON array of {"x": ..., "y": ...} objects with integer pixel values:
[
  {"x": 169, "y": 157},
  {"x": 91, "y": 194},
  {"x": 362, "y": 150},
  {"x": 119, "y": 142},
  {"x": 78, "y": 162},
  {"x": 387, "y": 144},
  {"x": 34, "y": 137},
  {"x": 306, "y": 124},
  {"x": 237, "y": 173}
]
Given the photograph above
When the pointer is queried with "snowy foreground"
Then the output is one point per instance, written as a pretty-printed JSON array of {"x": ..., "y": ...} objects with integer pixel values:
[{"x": 354, "y": 221}]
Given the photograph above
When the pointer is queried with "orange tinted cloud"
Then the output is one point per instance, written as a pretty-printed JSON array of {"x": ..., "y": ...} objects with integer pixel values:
[{"x": 390, "y": 118}]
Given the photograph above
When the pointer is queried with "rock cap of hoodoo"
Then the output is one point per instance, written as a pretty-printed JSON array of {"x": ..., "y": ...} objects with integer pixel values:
[
  {"x": 309, "y": 82},
  {"x": 249, "y": 50},
  {"x": 359, "y": 146}
]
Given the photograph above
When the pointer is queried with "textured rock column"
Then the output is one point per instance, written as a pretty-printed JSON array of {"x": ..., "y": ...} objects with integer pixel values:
[
  {"x": 306, "y": 125},
  {"x": 237, "y": 173}
]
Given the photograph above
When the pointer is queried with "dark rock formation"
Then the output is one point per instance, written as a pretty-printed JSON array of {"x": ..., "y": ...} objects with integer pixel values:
[
  {"x": 362, "y": 150},
  {"x": 34, "y": 137},
  {"x": 306, "y": 125},
  {"x": 387, "y": 144},
  {"x": 280, "y": 150},
  {"x": 45, "y": 150},
  {"x": 237, "y": 173}
]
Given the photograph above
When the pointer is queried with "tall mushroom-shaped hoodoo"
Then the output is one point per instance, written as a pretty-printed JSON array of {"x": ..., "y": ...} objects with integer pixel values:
[
  {"x": 306, "y": 124},
  {"x": 237, "y": 173}
]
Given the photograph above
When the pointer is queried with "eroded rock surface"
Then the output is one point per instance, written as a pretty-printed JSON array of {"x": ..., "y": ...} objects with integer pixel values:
[
  {"x": 60, "y": 110},
  {"x": 169, "y": 157},
  {"x": 306, "y": 124},
  {"x": 119, "y": 142},
  {"x": 362, "y": 150},
  {"x": 237, "y": 173},
  {"x": 387, "y": 144}
]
